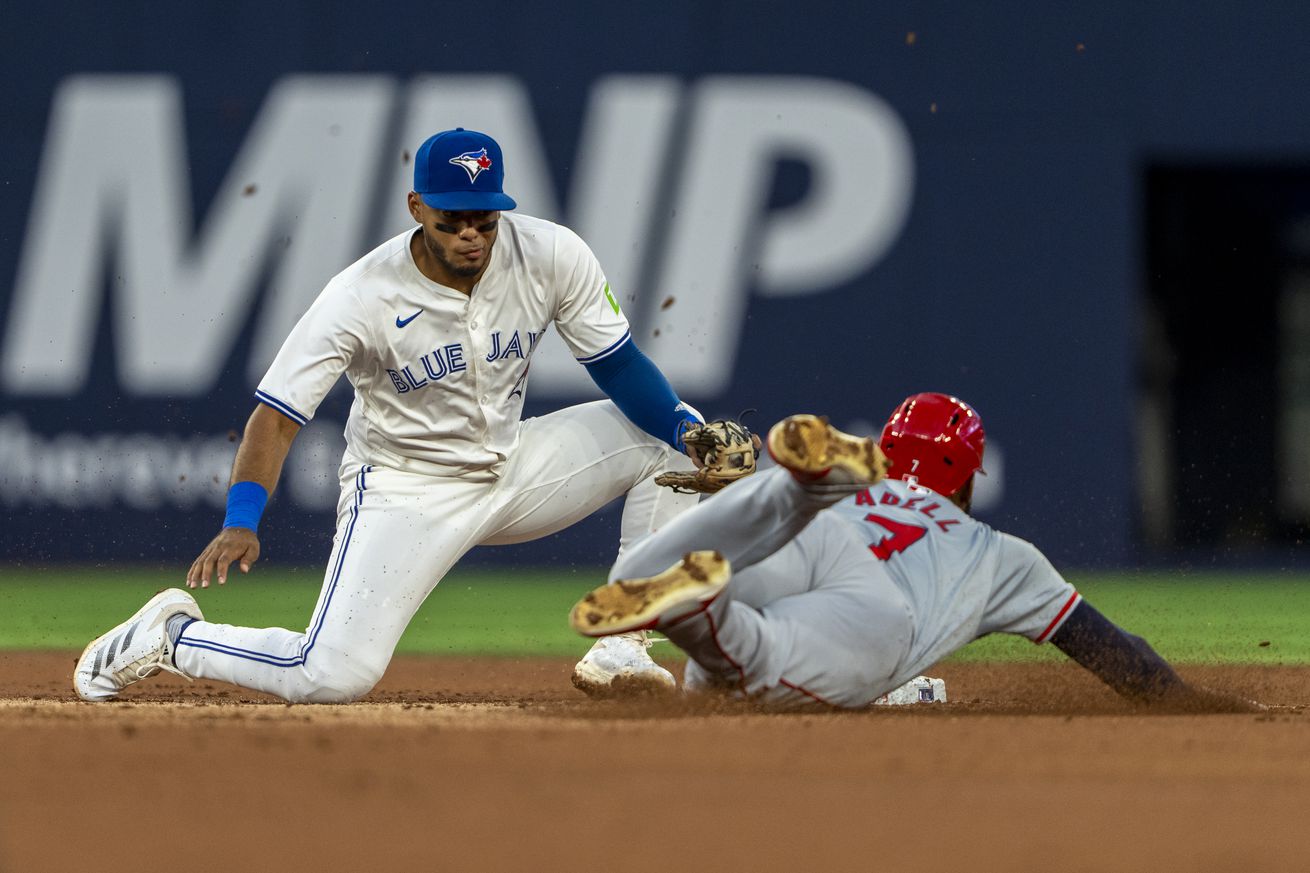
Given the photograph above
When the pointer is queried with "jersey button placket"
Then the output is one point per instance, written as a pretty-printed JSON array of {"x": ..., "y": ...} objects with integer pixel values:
[{"x": 475, "y": 368}]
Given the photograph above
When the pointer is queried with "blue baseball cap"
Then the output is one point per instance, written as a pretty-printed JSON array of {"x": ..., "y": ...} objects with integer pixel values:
[{"x": 461, "y": 170}]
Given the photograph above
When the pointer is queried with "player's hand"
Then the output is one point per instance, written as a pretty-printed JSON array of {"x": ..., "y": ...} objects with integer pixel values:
[
  {"x": 1212, "y": 700},
  {"x": 232, "y": 544},
  {"x": 1190, "y": 698}
]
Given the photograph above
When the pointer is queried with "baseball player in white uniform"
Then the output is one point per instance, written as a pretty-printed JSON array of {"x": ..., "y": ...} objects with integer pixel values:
[
  {"x": 435, "y": 330},
  {"x": 822, "y": 582}
]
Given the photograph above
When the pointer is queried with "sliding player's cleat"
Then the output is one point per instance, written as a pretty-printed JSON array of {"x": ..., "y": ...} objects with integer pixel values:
[
  {"x": 681, "y": 591},
  {"x": 817, "y": 453}
]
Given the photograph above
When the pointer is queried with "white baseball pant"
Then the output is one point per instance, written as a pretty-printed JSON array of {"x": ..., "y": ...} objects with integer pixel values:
[{"x": 398, "y": 533}]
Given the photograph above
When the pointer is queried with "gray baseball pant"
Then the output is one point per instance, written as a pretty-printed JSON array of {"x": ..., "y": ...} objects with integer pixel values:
[{"x": 810, "y": 615}]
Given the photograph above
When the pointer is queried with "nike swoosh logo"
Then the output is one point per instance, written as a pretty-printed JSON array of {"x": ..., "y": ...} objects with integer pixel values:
[{"x": 401, "y": 322}]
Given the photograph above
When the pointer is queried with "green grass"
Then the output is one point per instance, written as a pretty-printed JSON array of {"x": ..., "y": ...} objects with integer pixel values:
[
  {"x": 511, "y": 612},
  {"x": 1197, "y": 618}
]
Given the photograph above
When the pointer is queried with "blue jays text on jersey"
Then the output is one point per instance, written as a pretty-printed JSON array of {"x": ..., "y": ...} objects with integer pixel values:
[{"x": 448, "y": 359}]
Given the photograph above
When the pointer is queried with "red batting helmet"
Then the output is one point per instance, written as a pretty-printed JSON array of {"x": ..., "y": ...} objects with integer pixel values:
[{"x": 935, "y": 439}]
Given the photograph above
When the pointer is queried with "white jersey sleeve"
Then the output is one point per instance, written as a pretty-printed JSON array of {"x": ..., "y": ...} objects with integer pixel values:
[
  {"x": 315, "y": 353},
  {"x": 589, "y": 317},
  {"x": 1029, "y": 596}
]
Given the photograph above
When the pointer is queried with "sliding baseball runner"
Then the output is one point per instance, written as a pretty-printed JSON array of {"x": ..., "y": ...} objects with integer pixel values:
[{"x": 822, "y": 581}]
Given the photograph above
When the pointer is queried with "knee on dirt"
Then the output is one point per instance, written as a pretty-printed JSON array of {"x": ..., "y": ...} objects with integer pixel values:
[{"x": 334, "y": 677}]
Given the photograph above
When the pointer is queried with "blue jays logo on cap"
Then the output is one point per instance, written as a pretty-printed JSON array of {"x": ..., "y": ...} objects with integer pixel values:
[
  {"x": 473, "y": 163},
  {"x": 461, "y": 171}
]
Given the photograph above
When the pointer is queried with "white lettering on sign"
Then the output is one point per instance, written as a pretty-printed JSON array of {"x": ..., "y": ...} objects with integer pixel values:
[
  {"x": 668, "y": 185},
  {"x": 152, "y": 471},
  {"x": 113, "y": 189},
  {"x": 723, "y": 242}
]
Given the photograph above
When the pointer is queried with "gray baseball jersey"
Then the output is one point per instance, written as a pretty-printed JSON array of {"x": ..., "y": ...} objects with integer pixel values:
[
  {"x": 962, "y": 578},
  {"x": 841, "y": 606}
]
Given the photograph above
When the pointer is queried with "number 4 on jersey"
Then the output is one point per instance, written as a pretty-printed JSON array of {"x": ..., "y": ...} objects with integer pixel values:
[{"x": 902, "y": 536}]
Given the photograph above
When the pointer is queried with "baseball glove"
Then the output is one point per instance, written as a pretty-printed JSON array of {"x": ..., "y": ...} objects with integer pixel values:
[{"x": 725, "y": 450}]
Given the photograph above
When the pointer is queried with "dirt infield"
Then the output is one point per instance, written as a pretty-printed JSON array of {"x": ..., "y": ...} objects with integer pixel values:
[{"x": 489, "y": 765}]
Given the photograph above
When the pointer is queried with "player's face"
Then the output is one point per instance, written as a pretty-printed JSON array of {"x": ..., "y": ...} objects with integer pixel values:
[{"x": 459, "y": 242}]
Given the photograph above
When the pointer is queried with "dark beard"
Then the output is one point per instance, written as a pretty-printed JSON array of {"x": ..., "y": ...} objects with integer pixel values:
[
  {"x": 462, "y": 272},
  {"x": 440, "y": 254}
]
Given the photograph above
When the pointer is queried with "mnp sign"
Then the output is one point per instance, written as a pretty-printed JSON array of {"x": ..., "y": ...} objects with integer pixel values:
[
  {"x": 192, "y": 306},
  {"x": 323, "y": 173},
  {"x": 817, "y": 212}
]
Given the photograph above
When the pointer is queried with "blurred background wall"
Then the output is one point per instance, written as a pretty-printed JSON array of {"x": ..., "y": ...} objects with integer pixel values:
[{"x": 1092, "y": 221}]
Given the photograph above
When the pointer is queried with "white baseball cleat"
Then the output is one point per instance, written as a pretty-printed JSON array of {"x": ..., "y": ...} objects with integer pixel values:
[
  {"x": 687, "y": 587},
  {"x": 619, "y": 666},
  {"x": 137, "y": 648},
  {"x": 817, "y": 453}
]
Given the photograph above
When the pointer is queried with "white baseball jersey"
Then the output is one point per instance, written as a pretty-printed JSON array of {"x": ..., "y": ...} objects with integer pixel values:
[
  {"x": 437, "y": 460},
  {"x": 439, "y": 375}
]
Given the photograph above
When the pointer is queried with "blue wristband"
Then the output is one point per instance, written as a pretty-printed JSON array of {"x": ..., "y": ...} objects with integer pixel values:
[
  {"x": 683, "y": 426},
  {"x": 245, "y": 504}
]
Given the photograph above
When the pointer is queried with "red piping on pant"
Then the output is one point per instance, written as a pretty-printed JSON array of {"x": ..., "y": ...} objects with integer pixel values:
[
  {"x": 806, "y": 692},
  {"x": 680, "y": 619},
  {"x": 714, "y": 635}
]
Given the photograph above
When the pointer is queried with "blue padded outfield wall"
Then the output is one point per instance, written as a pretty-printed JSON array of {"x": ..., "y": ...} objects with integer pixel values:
[{"x": 815, "y": 207}]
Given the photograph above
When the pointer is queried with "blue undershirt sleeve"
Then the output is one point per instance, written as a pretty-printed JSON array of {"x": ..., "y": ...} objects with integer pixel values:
[{"x": 641, "y": 392}]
